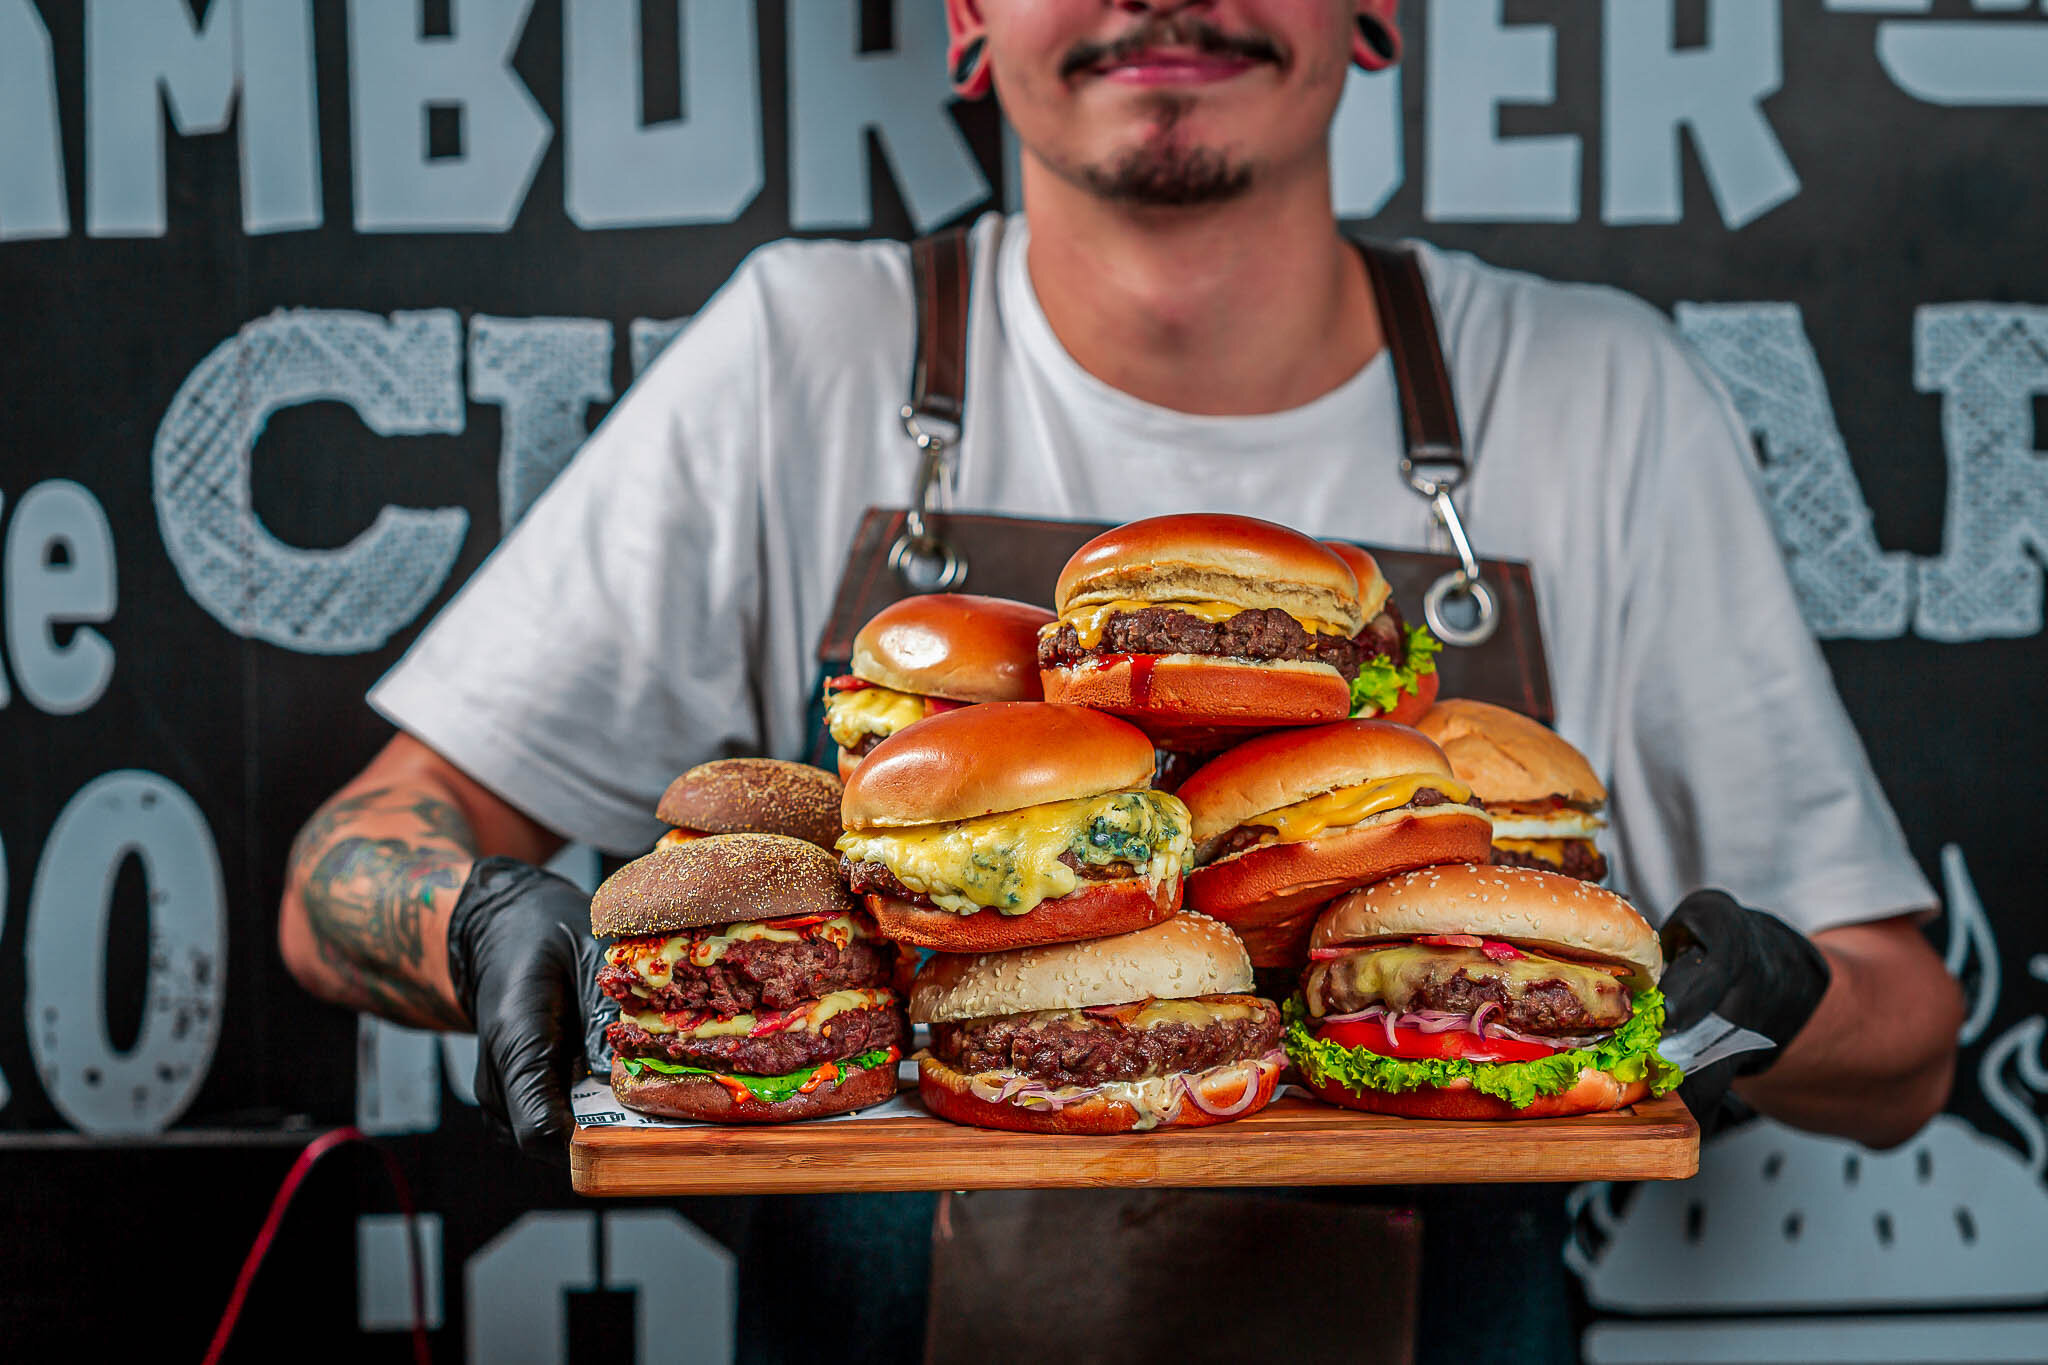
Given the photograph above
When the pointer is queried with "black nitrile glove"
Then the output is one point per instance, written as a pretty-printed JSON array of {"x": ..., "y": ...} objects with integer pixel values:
[
  {"x": 1752, "y": 969},
  {"x": 524, "y": 967}
]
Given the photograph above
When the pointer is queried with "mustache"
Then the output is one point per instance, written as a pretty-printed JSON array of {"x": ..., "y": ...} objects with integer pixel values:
[{"x": 1170, "y": 31}]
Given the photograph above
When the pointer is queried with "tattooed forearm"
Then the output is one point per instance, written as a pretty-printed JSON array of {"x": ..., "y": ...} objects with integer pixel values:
[{"x": 377, "y": 872}]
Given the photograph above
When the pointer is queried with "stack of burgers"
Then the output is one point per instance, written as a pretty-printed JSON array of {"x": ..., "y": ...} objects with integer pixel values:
[{"x": 1423, "y": 896}]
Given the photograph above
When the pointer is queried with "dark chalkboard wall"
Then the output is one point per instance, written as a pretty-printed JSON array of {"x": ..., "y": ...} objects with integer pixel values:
[{"x": 1842, "y": 203}]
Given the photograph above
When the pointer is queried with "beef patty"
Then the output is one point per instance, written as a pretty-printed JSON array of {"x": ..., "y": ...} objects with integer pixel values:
[
  {"x": 1070, "y": 1047},
  {"x": 1263, "y": 634},
  {"x": 1581, "y": 860},
  {"x": 756, "y": 974},
  {"x": 772, "y": 1054}
]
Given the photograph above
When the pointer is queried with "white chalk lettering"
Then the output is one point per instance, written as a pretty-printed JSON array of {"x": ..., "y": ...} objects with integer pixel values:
[
  {"x": 545, "y": 373},
  {"x": 42, "y": 593},
  {"x": 1477, "y": 64},
  {"x": 32, "y": 201}
]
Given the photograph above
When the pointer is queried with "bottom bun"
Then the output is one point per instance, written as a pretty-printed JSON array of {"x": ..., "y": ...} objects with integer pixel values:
[
  {"x": 945, "y": 1092},
  {"x": 1190, "y": 701},
  {"x": 701, "y": 1097},
  {"x": 1097, "y": 910},
  {"x": 1594, "y": 1092},
  {"x": 1272, "y": 882},
  {"x": 1283, "y": 943}
]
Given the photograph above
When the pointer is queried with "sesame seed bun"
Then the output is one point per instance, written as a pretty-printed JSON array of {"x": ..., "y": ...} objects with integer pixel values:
[
  {"x": 1373, "y": 588},
  {"x": 1289, "y": 766},
  {"x": 982, "y": 760},
  {"x": 1508, "y": 758},
  {"x": 1185, "y": 956},
  {"x": 719, "y": 879},
  {"x": 1212, "y": 557},
  {"x": 953, "y": 645},
  {"x": 1543, "y": 911},
  {"x": 755, "y": 796}
]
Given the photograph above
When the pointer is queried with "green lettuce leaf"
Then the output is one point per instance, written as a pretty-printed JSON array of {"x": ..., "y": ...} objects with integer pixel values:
[
  {"x": 767, "y": 1089},
  {"x": 1630, "y": 1054},
  {"x": 1379, "y": 684}
]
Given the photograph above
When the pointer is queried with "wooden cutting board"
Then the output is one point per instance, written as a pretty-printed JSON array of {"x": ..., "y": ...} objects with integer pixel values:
[{"x": 1293, "y": 1141}]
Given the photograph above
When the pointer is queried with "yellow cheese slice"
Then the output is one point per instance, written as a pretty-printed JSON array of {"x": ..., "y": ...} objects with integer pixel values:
[
  {"x": 852, "y": 716},
  {"x": 1349, "y": 805}
]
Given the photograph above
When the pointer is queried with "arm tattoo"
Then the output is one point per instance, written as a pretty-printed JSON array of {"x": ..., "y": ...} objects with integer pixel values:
[{"x": 370, "y": 897}]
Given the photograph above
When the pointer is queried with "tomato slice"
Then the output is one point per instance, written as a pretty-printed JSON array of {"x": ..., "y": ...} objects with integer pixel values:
[
  {"x": 938, "y": 705},
  {"x": 1412, "y": 1044},
  {"x": 846, "y": 682},
  {"x": 1412, "y": 704}
]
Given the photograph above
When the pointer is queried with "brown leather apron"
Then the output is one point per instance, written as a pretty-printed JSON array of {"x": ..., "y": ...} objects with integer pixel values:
[{"x": 1130, "y": 1275}]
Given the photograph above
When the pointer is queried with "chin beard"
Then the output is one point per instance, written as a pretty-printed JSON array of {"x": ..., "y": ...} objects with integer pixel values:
[{"x": 1163, "y": 173}]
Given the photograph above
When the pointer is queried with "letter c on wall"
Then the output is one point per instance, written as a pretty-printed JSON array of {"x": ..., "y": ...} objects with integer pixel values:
[{"x": 403, "y": 377}]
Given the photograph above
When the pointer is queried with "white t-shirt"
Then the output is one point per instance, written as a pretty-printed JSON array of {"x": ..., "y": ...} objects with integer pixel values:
[{"x": 661, "y": 603}]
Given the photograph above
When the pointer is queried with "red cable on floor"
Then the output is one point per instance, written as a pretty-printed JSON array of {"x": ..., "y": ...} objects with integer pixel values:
[{"x": 317, "y": 1148}]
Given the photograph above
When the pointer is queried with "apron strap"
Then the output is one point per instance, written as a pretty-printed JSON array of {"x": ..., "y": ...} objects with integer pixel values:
[
  {"x": 1429, "y": 414},
  {"x": 938, "y": 373}
]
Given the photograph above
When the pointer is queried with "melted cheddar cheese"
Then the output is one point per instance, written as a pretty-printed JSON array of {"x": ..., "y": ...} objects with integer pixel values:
[
  {"x": 696, "y": 1024},
  {"x": 653, "y": 960},
  {"x": 1011, "y": 862},
  {"x": 852, "y": 716},
  {"x": 1088, "y": 622},
  {"x": 1550, "y": 850},
  {"x": 1349, "y": 805}
]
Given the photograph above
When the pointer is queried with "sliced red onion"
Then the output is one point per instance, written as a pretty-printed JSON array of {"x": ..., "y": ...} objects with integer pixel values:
[
  {"x": 1223, "y": 1111},
  {"x": 1480, "y": 1016},
  {"x": 1370, "y": 1012}
]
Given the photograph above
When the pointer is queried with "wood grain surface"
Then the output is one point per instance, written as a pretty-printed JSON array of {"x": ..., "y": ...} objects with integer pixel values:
[{"x": 1294, "y": 1141}]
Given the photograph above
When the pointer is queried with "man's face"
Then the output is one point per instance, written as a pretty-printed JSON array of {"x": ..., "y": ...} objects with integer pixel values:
[{"x": 1170, "y": 103}]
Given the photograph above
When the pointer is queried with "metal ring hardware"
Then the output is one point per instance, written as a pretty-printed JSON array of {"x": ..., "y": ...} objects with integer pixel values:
[
  {"x": 926, "y": 563},
  {"x": 1454, "y": 583}
]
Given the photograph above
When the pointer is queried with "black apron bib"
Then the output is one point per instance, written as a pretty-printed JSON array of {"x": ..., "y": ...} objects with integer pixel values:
[{"x": 1134, "y": 1274}]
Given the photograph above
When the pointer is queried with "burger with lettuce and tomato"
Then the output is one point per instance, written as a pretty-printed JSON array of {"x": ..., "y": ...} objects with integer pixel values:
[
  {"x": 751, "y": 986},
  {"x": 1476, "y": 992}
]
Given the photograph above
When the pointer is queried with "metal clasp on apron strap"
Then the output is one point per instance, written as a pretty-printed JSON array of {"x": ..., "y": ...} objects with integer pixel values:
[
  {"x": 1436, "y": 480},
  {"x": 924, "y": 561}
]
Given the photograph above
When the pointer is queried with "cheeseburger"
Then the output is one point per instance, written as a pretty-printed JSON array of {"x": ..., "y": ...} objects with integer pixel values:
[
  {"x": 1011, "y": 824},
  {"x": 1285, "y": 822},
  {"x": 751, "y": 988},
  {"x": 1397, "y": 677},
  {"x": 752, "y": 796},
  {"x": 1150, "y": 1029},
  {"x": 1540, "y": 792},
  {"x": 929, "y": 654},
  {"x": 1197, "y": 623},
  {"x": 1475, "y": 992}
]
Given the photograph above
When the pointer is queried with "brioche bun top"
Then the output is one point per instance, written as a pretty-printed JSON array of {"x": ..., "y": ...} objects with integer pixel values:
[
  {"x": 1185, "y": 956},
  {"x": 982, "y": 760},
  {"x": 1286, "y": 766},
  {"x": 755, "y": 796},
  {"x": 1544, "y": 911},
  {"x": 720, "y": 879},
  {"x": 1373, "y": 588},
  {"x": 1507, "y": 757},
  {"x": 953, "y": 645},
  {"x": 1213, "y": 557}
]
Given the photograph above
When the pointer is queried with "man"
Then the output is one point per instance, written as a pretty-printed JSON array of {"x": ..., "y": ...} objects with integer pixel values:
[{"x": 1175, "y": 323}]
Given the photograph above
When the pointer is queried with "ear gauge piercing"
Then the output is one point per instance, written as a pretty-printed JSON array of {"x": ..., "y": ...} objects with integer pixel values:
[
  {"x": 1382, "y": 45},
  {"x": 967, "y": 72}
]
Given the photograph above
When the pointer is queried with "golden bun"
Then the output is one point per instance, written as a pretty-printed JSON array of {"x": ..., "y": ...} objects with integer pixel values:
[
  {"x": 1507, "y": 757},
  {"x": 1213, "y": 557},
  {"x": 981, "y": 760},
  {"x": 953, "y": 645},
  {"x": 1272, "y": 882},
  {"x": 1098, "y": 908},
  {"x": 1186, "y": 956},
  {"x": 1594, "y": 1092},
  {"x": 1544, "y": 911},
  {"x": 719, "y": 879},
  {"x": 1373, "y": 588},
  {"x": 945, "y": 1092},
  {"x": 1288, "y": 766},
  {"x": 1190, "y": 697},
  {"x": 755, "y": 796},
  {"x": 1283, "y": 943},
  {"x": 704, "y": 1099}
]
